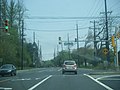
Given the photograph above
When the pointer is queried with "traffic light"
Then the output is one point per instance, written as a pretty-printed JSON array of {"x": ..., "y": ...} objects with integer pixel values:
[
  {"x": 6, "y": 25},
  {"x": 75, "y": 39},
  {"x": 60, "y": 40},
  {"x": 113, "y": 41}
]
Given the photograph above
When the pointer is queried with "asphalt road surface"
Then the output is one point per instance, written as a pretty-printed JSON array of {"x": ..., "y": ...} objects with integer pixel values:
[{"x": 52, "y": 79}]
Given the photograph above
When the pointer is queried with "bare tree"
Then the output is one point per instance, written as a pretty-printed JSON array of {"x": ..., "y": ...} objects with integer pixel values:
[
  {"x": 20, "y": 13},
  {"x": 3, "y": 11},
  {"x": 89, "y": 39},
  {"x": 12, "y": 12}
]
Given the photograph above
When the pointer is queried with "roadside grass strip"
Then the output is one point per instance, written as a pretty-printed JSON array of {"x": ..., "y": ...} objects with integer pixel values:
[
  {"x": 36, "y": 85},
  {"x": 96, "y": 80}
]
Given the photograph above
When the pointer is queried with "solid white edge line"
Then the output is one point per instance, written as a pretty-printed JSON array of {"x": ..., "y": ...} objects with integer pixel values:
[
  {"x": 107, "y": 87},
  {"x": 33, "y": 87},
  {"x": 106, "y": 77},
  {"x": 2, "y": 88}
]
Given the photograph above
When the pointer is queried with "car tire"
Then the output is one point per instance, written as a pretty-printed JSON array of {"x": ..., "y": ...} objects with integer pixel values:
[
  {"x": 76, "y": 72},
  {"x": 12, "y": 74},
  {"x": 63, "y": 72}
]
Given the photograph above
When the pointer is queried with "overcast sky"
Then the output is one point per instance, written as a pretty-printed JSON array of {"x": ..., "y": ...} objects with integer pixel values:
[{"x": 48, "y": 30}]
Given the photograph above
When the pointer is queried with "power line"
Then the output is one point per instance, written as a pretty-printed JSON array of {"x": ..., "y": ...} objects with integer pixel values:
[
  {"x": 77, "y": 18},
  {"x": 96, "y": 5},
  {"x": 99, "y": 7},
  {"x": 60, "y": 30},
  {"x": 116, "y": 3},
  {"x": 56, "y": 21},
  {"x": 40, "y": 17},
  {"x": 91, "y": 8}
]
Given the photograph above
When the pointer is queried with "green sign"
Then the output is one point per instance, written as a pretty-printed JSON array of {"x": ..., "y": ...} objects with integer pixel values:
[{"x": 70, "y": 43}]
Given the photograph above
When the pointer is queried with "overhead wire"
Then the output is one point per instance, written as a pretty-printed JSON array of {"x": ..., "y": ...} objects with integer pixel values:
[
  {"x": 60, "y": 30},
  {"x": 56, "y": 21},
  {"x": 114, "y": 4},
  {"x": 88, "y": 14},
  {"x": 101, "y": 6},
  {"x": 91, "y": 8},
  {"x": 116, "y": 7},
  {"x": 96, "y": 6}
]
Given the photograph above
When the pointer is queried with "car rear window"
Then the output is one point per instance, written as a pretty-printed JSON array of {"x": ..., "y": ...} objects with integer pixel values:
[{"x": 69, "y": 63}]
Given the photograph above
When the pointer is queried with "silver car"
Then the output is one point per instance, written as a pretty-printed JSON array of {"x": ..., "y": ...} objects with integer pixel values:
[{"x": 69, "y": 66}]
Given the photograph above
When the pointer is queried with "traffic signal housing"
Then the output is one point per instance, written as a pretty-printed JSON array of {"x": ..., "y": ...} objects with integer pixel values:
[
  {"x": 6, "y": 25},
  {"x": 75, "y": 39},
  {"x": 59, "y": 38},
  {"x": 60, "y": 41}
]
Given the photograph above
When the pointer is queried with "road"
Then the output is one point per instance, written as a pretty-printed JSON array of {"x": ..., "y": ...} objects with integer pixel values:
[{"x": 52, "y": 79}]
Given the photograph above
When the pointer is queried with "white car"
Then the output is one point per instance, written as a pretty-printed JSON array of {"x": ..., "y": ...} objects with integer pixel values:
[{"x": 69, "y": 66}]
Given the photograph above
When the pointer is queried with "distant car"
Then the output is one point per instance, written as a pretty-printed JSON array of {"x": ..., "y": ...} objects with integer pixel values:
[
  {"x": 69, "y": 66},
  {"x": 8, "y": 69}
]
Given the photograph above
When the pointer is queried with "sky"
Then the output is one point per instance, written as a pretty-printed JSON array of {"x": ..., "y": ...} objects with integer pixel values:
[{"x": 47, "y": 31}]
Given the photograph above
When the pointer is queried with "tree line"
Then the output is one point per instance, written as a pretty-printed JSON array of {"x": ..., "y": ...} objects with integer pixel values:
[{"x": 10, "y": 41}]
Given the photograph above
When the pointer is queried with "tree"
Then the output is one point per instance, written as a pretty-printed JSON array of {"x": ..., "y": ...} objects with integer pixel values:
[{"x": 10, "y": 44}]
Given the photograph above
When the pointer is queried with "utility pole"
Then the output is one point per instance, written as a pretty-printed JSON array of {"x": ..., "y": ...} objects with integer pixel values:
[
  {"x": 58, "y": 50},
  {"x": 54, "y": 54},
  {"x": 0, "y": 20},
  {"x": 34, "y": 48},
  {"x": 38, "y": 46},
  {"x": 33, "y": 37},
  {"x": 40, "y": 53},
  {"x": 68, "y": 45},
  {"x": 77, "y": 43},
  {"x": 22, "y": 45},
  {"x": 0, "y": 14},
  {"x": 94, "y": 41},
  {"x": 107, "y": 33},
  {"x": 39, "y": 58},
  {"x": 77, "y": 37}
]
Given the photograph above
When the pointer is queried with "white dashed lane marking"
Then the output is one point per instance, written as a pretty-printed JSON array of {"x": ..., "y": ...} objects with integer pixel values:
[{"x": 36, "y": 85}]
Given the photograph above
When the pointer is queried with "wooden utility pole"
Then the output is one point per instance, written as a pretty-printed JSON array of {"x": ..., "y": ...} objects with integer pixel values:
[
  {"x": 68, "y": 45},
  {"x": 107, "y": 33},
  {"x": 77, "y": 44},
  {"x": 22, "y": 45},
  {"x": 0, "y": 14}
]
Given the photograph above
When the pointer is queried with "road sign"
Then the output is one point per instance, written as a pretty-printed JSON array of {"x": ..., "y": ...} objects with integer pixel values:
[
  {"x": 105, "y": 51},
  {"x": 70, "y": 43}
]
